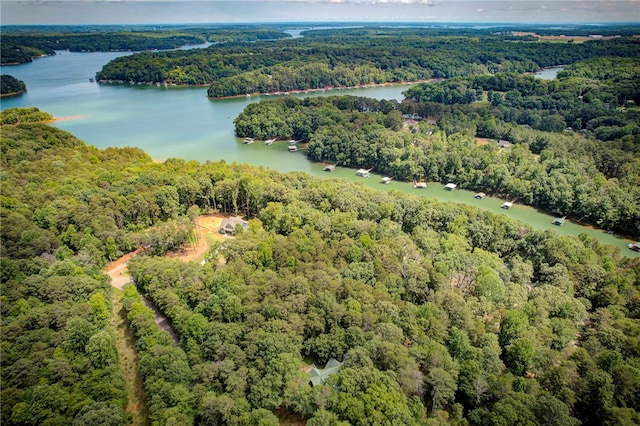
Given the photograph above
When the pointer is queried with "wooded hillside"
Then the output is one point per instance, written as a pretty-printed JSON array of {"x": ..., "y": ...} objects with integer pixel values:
[{"x": 441, "y": 313}]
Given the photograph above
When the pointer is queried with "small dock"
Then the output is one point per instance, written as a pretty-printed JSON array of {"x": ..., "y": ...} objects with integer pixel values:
[
  {"x": 363, "y": 172},
  {"x": 450, "y": 186},
  {"x": 330, "y": 167},
  {"x": 269, "y": 142},
  {"x": 559, "y": 220},
  {"x": 248, "y": 140},
  {"x": 507, "y": 205}
]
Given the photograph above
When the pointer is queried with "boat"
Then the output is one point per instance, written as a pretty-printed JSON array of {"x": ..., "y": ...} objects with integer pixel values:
[
  {"x": 293, "y": 148},
  {"x": 292, "y": 142},
  {"x": 269, "y": 141},
  {"x": 92, "y": 80},
  {"x": 634, "y": 246},
  {"x": 480, "y": 195},
  {"x": 248, "y": 140},
  {"x": 507, "y": 205},
  {"x": 363, "y": 172},
  {"x": 329, "y": 167},
  {"x": 386, "y": 180},
  {"x": 450, "y": 186},
  {"x": 419, "y": 185}
]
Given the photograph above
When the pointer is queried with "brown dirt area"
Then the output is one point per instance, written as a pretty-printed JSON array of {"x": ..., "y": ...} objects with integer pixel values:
[
  {"x": 207, "y": 229},
  {"x": 483, "y": 141},
  {"x": 576, "y": 39}
]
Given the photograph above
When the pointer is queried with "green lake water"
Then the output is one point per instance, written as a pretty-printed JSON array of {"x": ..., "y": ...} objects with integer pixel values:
[{"x": 182, "y": 122}]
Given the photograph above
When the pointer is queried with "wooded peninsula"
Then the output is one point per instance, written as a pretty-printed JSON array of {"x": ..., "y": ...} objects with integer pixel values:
[{"x": 331, "y": 303}]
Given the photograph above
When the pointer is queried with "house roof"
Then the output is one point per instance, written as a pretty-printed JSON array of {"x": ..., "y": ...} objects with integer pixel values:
[
  {"x": 318, "y": 376},
  {"x": 229, "y": 223}
]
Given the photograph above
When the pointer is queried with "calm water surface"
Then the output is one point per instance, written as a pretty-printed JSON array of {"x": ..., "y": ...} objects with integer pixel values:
[{"x": 182, "y": 122}]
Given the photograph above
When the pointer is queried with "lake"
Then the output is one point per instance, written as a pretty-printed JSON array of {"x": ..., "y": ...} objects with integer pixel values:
[{"x": 182, "y": 122}]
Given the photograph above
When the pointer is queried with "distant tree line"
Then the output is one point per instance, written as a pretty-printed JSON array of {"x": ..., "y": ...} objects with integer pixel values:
[
  {"x": 341, "y": 59},
  {"x": 19, "y": 47}
]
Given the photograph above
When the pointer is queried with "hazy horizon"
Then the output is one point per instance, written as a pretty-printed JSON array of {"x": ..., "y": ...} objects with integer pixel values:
[{"x": 73, "y": 12}]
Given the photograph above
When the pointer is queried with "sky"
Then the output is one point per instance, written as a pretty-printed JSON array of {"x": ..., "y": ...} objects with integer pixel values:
[{"x": 30, "y": 12}]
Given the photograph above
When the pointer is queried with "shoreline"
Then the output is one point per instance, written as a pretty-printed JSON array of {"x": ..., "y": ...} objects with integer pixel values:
[
  {"x": 8, "y": 95},
  {"x": 274, "y": 93},
  {"x": 67, "y": 118},
  {"x": 328, "y": 88}
]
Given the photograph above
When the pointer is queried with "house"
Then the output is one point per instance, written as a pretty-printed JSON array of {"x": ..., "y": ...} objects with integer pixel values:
[
  {"x": 450, "y": 186},
  {"x": 559, "y": 220},
  {"x": 363, "y": 172},
  {"x": 228, "y": 225},
  {"x": 480, "y": 195},
  {"x": 507, "y": 205},
  {"x": 318, "y": 377},
  {"x": 504, "y": 144}
]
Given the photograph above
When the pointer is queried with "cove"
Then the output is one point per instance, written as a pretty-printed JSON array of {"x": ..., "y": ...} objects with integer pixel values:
[{"x": 182, "y": 122}]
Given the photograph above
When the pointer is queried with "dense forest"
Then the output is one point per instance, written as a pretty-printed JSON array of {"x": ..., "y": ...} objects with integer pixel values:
[
  {"x": 439, "y": 313},
  {"x": 590, "y": 172},
  {"x": 353, "y": 57},
  {"x": 10, "y": 86},
  {"x": 21, "y": 46}
]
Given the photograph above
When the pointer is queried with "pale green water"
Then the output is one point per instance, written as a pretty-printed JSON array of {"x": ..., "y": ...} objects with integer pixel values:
[{"x": 184, "y": 123}]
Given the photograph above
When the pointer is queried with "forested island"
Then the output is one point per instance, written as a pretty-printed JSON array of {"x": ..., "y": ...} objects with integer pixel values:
[
  {"x": 433, "y": 313},
  {"x": 11, "y": 86},
  {"x": 354, "y": 57}
]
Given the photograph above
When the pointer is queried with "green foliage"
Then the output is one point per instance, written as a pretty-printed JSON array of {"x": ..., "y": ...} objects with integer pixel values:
[
  {"x": 23, "y": 115},
  {"x": 446, "y": 314},
  {"x": 58, "y": 366},
  {"x": 9, "y": 85}
]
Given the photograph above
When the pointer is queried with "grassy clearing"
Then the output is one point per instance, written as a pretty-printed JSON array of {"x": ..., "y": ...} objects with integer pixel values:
[{"x": 136, "y": 411}]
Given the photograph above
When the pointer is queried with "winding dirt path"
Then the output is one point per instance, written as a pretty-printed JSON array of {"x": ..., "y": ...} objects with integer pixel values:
[{"x": 120, "y": 277}]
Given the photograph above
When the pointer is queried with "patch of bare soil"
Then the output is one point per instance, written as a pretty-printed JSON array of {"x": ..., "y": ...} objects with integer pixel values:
[{"x": 207, "y": 229}]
